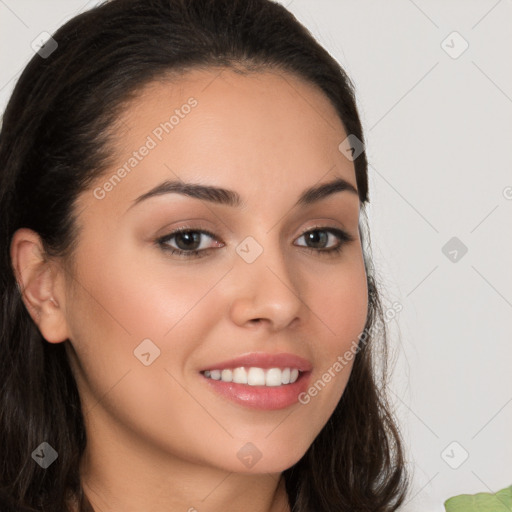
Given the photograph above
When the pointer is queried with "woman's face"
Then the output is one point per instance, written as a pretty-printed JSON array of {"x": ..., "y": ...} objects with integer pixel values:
[{"x": 144, "y": 323}]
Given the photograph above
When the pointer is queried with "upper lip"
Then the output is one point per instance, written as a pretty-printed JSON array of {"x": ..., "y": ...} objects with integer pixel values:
[{"x": 264, "y": 360}]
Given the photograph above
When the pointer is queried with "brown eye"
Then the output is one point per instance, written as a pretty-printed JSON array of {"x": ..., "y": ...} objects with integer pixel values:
[
  {"x": 318, "y": 238},
  {"x": 187, "y": 242}
]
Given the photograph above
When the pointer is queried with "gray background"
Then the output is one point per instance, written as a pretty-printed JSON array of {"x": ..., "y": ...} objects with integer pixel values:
[{"x": 439, "y": 142}]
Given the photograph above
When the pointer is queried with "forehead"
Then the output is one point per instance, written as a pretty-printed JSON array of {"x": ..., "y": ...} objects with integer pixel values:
[{"x": 238, "y": 131}]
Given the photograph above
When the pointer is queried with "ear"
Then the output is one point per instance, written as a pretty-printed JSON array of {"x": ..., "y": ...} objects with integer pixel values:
[{"x": 40, "y": 283}]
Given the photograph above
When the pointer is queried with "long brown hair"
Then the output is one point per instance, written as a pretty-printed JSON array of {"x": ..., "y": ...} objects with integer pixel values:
[{"x": 55, "y": 140}]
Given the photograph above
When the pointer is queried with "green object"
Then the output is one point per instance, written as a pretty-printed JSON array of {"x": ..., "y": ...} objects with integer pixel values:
[{"x": 481, "y": 502}]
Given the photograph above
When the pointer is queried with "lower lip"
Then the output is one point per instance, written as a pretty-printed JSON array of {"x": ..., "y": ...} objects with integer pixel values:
[{"x": 262, "y": 397}]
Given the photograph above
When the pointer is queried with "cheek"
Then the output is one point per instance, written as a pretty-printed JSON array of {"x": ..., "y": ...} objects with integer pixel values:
[
  {"x": 340, "y": 302},
  {"x": 119, "y": 303},
  {"x": 124, "y": 300},
  {"x": 343, "y": 307},
  {"x": 132, "y": 298},
  {"x": 340, "y": 299}
]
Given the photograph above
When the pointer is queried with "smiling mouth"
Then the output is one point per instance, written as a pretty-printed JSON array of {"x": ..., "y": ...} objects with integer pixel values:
[
  {"x": 255, "y": 376},
  {"x": 254, "y": 387}
]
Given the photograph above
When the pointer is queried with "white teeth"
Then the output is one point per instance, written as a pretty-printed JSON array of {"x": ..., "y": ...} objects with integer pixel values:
[
  {"x": 240, "y": 376},
  {"x": 255, "y": 376},
  {"x": 273, "y": 377},
  {"x": 226, "y": 375}
]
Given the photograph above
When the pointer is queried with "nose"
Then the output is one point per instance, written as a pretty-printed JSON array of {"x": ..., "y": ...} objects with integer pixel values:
[{"x": 265, "y": 291}]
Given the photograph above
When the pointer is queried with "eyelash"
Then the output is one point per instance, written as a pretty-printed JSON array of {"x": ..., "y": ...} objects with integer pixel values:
[{"x": 343, "y": 237}]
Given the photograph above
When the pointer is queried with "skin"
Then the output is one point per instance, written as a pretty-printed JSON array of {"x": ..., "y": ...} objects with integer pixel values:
[{"x": 158, "y": 437}]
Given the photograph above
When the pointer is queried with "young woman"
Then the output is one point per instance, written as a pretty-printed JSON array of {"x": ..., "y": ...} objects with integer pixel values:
[{"x": 189, "y": 320}]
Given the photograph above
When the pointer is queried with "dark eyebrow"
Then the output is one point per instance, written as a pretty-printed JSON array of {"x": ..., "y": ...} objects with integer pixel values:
[
  {"x": 318, "y": 192},
  {"x": 231, "y": 198}
]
